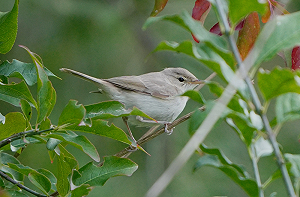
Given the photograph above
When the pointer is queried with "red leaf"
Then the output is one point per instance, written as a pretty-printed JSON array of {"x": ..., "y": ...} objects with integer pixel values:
[
  {"x": 158, "y": 7},
  {"x": 216, "y": 28},
  {"x": 296, "y": 58},
  {"x": 200, "y": 10},
  {"x": 248, "y": 34}
]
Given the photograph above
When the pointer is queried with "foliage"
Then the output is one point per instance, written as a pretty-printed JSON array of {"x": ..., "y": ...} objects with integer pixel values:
[{"x": 21, "y": 129}]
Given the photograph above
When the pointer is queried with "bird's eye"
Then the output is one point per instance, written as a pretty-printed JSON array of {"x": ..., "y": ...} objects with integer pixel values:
[{"x": 181, "y": 79}]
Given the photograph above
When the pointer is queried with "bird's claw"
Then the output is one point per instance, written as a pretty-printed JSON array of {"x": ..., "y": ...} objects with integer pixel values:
[{"x": 167, "y": 130}]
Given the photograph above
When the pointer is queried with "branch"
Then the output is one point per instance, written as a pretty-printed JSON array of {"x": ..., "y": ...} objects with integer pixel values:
[
  {"x": 257, "y": 103},
  {"x": 20, "y": 135},
  {"x": 5, "y": 176}
]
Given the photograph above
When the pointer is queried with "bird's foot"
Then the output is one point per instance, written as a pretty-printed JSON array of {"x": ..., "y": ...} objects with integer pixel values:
[{"x": 167, "y": 130}]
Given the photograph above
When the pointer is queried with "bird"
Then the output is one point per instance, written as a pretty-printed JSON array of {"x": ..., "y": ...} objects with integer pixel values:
[{"x": 158, "y": 94}]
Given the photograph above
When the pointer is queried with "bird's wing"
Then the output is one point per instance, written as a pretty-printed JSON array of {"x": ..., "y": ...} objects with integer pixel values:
[{"x": 146, "y": 84}]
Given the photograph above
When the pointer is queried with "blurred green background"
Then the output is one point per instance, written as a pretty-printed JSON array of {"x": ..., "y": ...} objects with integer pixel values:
[{"x": 105, "y": 39}]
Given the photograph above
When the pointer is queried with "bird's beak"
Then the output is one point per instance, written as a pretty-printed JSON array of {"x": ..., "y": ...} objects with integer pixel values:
[{"x": 198, "y": 81}]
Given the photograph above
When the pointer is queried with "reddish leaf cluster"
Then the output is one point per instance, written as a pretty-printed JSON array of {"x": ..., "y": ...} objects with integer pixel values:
[{"x": 248, "y": 28}]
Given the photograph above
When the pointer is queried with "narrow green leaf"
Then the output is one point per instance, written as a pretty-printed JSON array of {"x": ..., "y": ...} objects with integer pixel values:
[
  {"x": 97, "y": 176},
  {"x": 8, "y": 28},
  {"x": 249, "y": 185},
  {"x": 194, "y": 95},
  {"x": 235, "y": 172},
  {"x": 282, "y": 32},
  {"x": 287, "y": 107},
  {"x": 83, "y": 190},
  {"x": 14, "y": 123},
  {"x": 101, "y": 127},
  {"x": 17, "y": 144},
  {"x": 71, "y": 114},
  {"x": 4, "y": 160},
  {"x": 63, "y": 171},
  {"x": 111, "y": 109},
  {"x": 46, "y": 96},
  {"x": 26, "y": 109},
  {"x": 238, "y": 9},
  {"x": 186, "y": 21},
  {"x": 25, "y": 71},
  {"x": 277, "y": 82},
  {"x": 40, "y": 181},
  {"x": 13, "y": 93},
  {"x": 78, "y": 141},
  {"x": 50, "y": 176}
]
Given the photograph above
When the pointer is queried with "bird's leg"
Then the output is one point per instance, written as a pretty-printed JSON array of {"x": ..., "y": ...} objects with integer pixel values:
[
  {"x": 167, "y": 131},
  {"x": 133, "y": 147}
]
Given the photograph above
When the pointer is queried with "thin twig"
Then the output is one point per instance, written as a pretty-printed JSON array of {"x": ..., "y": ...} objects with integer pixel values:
[
  {"x": 5, "y": 176},
  {"x": 20, "y": 135},
  {"x": 254, "y": 159},
  {"x": 257, "y": 103}
]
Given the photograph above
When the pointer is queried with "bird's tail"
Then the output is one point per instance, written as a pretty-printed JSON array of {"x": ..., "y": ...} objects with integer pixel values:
[{"x": 81, "y": 75}]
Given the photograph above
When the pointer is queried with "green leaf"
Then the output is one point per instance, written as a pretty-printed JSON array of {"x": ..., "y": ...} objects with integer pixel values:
[
  {"x": 52, "y": 143},
  {"x": 78, "y": 141},
  {"x": 111, "y": 109},
  {"x": 97, "y": 176},
  {"x": 217, "y": 160},
  {"x": 186, "y": 21},
  {"x": 263, "y": 148},
  {"x": 26, "y": 109},
  {"x": 50, "y": 176},
  {"x": 17, "y": 144},
  {"x": 194, "y": 95},
  {"x": 287, "y": 107},
  {"x": 217, "y": 89},
  {"x": 4, "y": 160},
  {"x": 83, "y": 190},
  {"x": 277, "y": 82},
  {"x": 25, "y": 71},
  {"x": 294, "y": 159},
  {"x": 45, "y": 124},
  {"x": 282, "y": 32},
  {"x": 13, "y": 93},
  {"x": 40, "y": 180},
  {"x": 63, "y": 171},
  {"x": 14, "y": 123},
  {"x": 242, "y": 125},
  {"x": 8, "y": 28},
  {"x": 101, "y": 127},
  {"x": 238, "y": 9},
  {"x": 71, "y": 114},
  {"x": 46, "y": 96}
]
